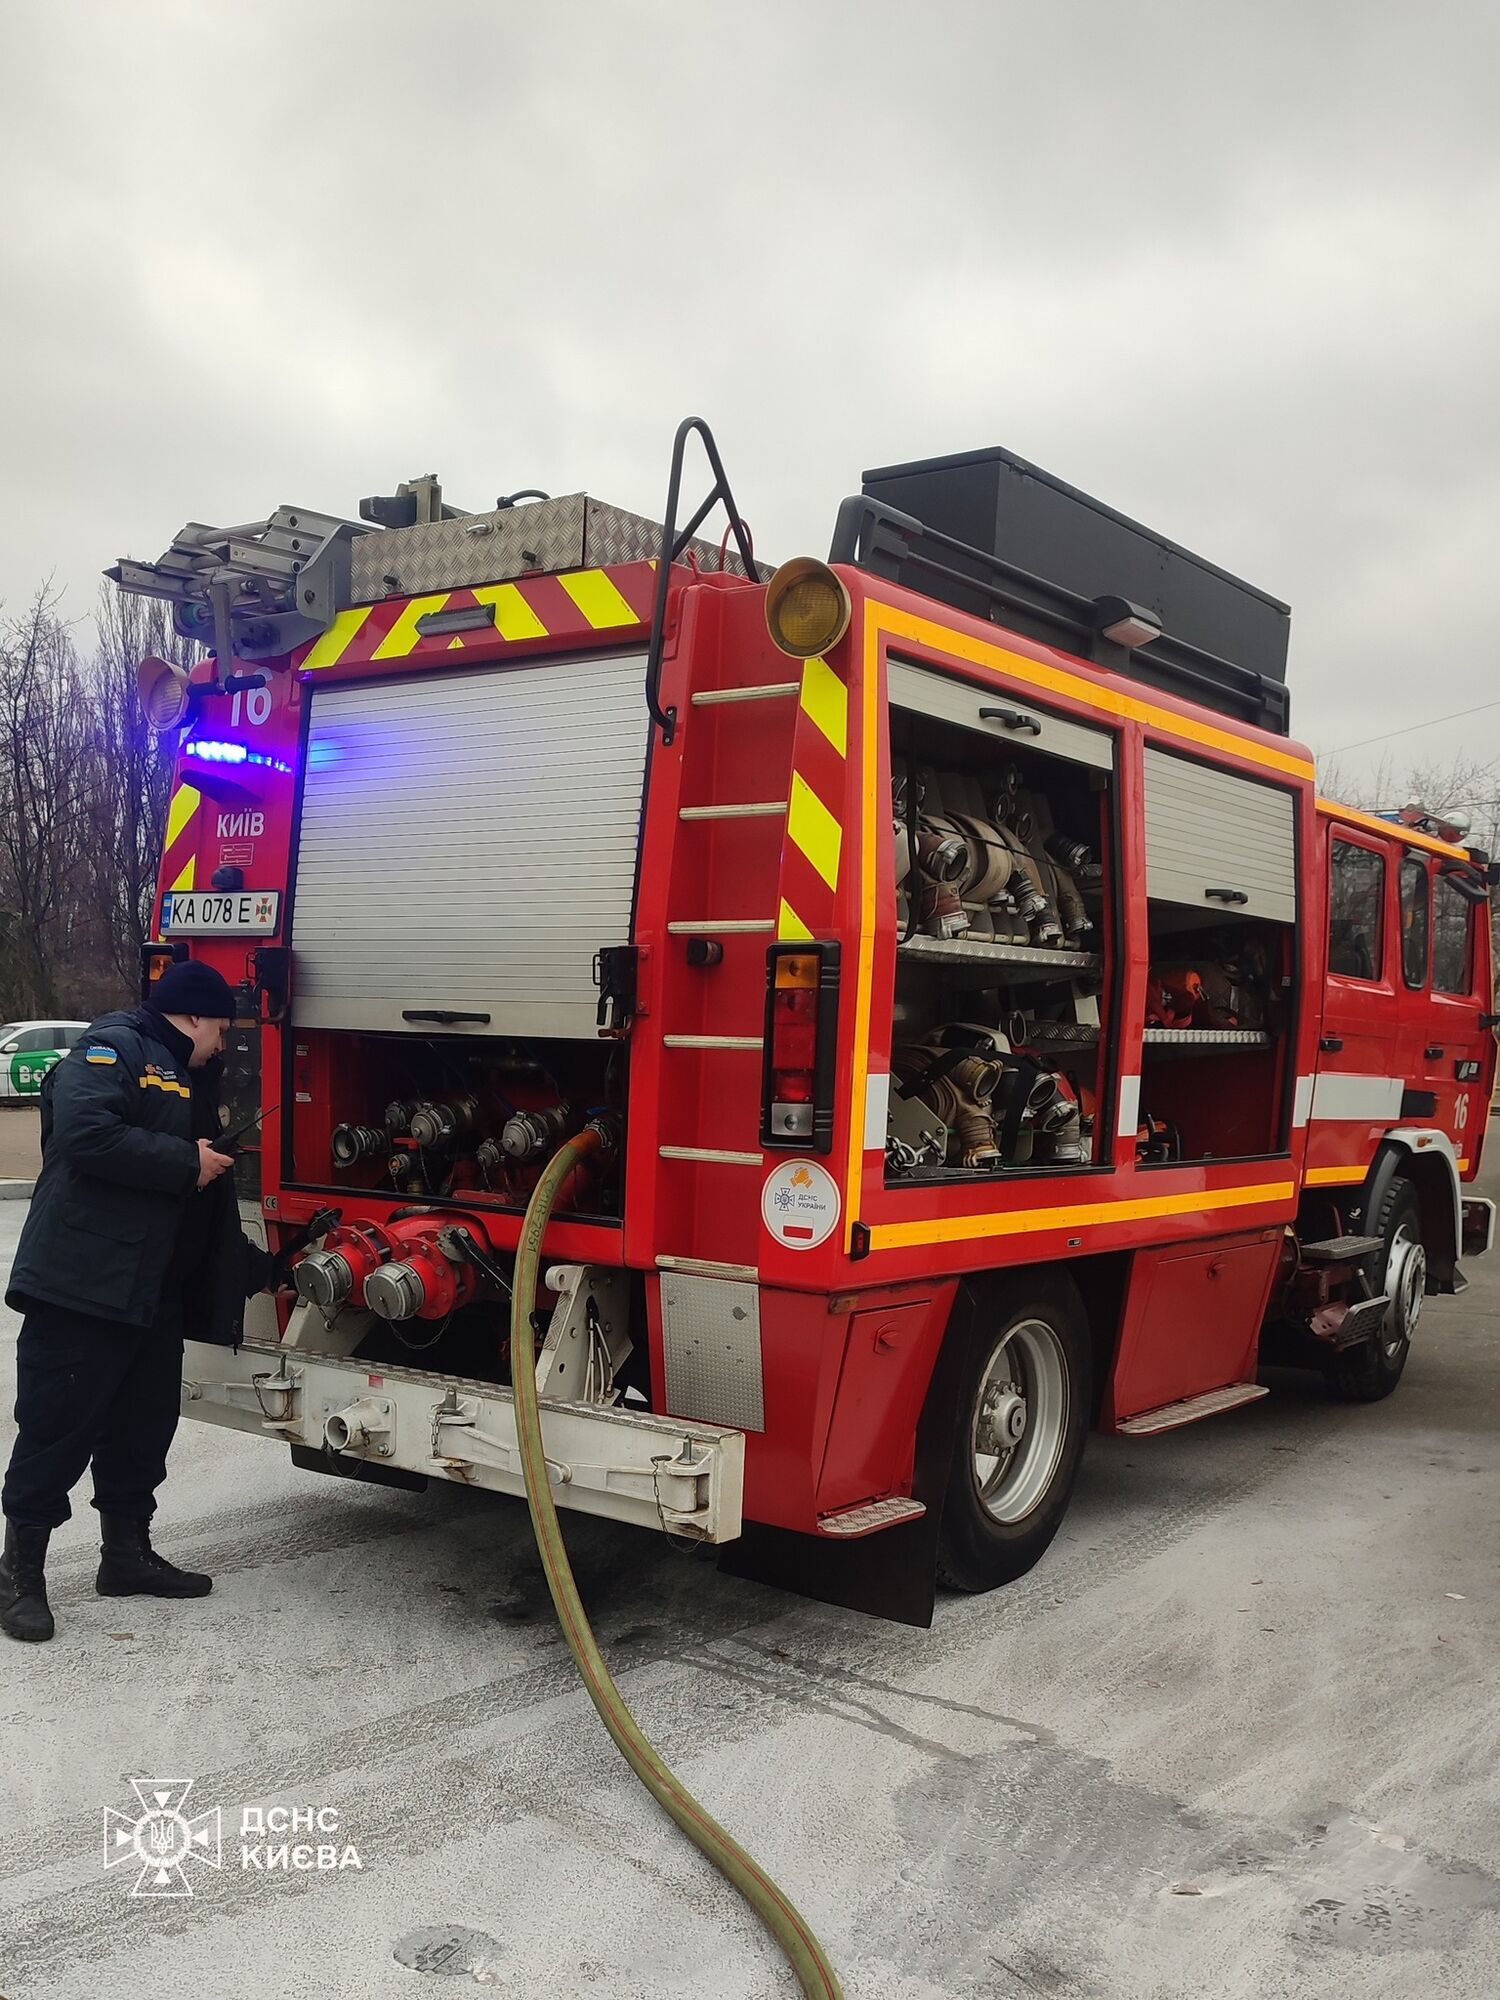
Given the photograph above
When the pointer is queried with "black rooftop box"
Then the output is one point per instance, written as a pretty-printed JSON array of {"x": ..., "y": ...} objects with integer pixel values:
[{"x": 991, "y": 534}]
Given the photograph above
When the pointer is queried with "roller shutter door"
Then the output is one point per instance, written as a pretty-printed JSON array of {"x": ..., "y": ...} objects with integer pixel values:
[
  {"x": 1000, "y": 714},
  {"x": 1219, "y": 842},
  {"x": 468, "y": 842}
]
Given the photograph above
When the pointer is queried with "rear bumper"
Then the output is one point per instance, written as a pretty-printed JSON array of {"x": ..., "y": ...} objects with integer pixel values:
[
  {"x": 686, "y": 1478},
  {"x": 1478, "y": 1225}
]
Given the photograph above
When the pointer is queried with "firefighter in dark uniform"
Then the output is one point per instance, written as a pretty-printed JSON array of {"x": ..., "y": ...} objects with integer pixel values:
[{"x": 133, "y": 1239}]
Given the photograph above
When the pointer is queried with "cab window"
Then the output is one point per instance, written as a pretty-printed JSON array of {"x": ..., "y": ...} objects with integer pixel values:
[
  {"x": 1451, "y": 960},
  {"x": 1414, "y": 920},
  {"x": 1356, "y": 899},
  {"x": 33, "y": 1040}
]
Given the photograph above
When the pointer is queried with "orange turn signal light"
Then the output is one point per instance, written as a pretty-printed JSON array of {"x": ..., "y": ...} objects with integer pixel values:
[{"x": 807, "y": 608}]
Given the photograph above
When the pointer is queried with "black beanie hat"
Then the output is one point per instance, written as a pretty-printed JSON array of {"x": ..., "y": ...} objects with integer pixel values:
[{"x": 189, "y": 987}]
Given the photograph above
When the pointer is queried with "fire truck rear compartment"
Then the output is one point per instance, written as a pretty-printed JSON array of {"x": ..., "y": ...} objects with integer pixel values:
[
  {"x": 467, "y": 843},
  {"x": 1006, "y": 928},
  {"x": 450, "y": 896},
  {"x": 447, "y": 1118},
  {"x": 1013, "y": 916}
]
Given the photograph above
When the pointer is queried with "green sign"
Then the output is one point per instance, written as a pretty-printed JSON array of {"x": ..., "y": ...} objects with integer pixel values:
[{"x": 27, "y": 1071}]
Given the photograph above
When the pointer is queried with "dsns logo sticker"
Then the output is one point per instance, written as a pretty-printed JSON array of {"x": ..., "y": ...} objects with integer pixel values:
[{"x": 799, "y": 1204}]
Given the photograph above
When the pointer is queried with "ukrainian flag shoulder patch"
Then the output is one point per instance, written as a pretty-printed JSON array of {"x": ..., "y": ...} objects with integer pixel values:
[{"x": 100, "y": 1052}]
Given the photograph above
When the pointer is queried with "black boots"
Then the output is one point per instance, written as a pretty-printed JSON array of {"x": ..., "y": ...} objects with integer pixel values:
[
  {"x": 130, "y": 1567},
  {"x": 24, "y": 1610}
]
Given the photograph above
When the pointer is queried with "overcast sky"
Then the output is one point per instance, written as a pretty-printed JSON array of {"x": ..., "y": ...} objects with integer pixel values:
[{"x": 1236, "y": 271}]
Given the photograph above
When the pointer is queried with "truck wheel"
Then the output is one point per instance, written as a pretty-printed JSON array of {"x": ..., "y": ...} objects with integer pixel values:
[
  {"x": 1372, "y": 1370},
  {"x": 1023, "y": 1412}
]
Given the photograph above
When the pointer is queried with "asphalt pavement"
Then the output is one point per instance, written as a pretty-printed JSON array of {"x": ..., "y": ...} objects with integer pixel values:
[
  {"x": 1236, "y": 1736},
  {"x": 20, "y": 1142}
]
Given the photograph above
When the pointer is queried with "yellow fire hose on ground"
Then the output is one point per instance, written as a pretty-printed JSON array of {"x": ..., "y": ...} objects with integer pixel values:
[{"x": 805, "y": 1955}]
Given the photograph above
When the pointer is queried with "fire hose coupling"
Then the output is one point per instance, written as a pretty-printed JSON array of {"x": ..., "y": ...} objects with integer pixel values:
[
  {"x": 352, "y": 1143},
  {"x": 605, "y": 1129},
  {"x": 362, "y": 1425},
  {"x": 442, "y": 1124},
  {"x": 429, "y": 1278},
  {"x": 330, "y": 1276},
  {"x": 535, "y": 1135},
  {"x": 411, "y": 1269},
  {"x": 324, "y": 1278}
]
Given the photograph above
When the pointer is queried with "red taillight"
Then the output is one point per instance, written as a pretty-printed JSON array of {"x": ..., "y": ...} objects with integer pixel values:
[
  {"x": 801, "y": 1016},
  {"x": 794, "y": 1031}
]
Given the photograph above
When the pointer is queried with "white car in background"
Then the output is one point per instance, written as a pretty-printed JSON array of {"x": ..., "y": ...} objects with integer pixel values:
[{"x": 28, "y": 1049}]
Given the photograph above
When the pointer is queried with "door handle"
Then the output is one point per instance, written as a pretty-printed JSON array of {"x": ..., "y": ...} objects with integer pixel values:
[
  {"x": 1330, "y": 1044},
  {"x": 1011, "y": 718},
  {"x": 444, "y": 1017},
  {"x": 1227, "y": 895},
  {"x": 1432, "y": 1051}
]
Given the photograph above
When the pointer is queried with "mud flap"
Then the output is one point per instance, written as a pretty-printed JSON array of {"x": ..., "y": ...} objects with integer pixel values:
[
  {"x": 891, "y": 1574},
  {"x": 307, "y": 1458}
]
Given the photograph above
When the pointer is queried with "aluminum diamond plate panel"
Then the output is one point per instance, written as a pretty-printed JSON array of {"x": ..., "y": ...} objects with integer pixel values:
[
  {"x": 542, "y": 536},
  {"x": 711, "y": 1335}
]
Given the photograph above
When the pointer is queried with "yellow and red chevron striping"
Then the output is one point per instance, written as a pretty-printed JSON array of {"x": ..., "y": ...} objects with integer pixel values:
[
  {"x": 605, "y": 603},
  {"x": 812, "y": 856},
  {"x": 180, "y": 845}
]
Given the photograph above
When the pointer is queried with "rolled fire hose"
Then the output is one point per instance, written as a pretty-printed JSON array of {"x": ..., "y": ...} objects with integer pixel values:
[{"x": 805, "y": 1955}]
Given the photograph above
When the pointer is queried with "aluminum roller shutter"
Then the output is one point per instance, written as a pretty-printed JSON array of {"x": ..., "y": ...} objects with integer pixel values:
[
  {"x": 1208, "y": 829},
  {"x": 952, "y": 700},
  {"x": 468, "y": 842}
]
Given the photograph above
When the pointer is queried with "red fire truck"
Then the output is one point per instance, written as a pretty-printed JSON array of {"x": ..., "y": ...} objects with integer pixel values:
[{"x": 989, "y": 1033}]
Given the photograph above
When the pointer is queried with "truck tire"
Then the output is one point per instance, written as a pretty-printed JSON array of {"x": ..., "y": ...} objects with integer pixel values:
[
  {"x": 1367, "y": 1372},
  {"x": 1023, "y": 1414}
]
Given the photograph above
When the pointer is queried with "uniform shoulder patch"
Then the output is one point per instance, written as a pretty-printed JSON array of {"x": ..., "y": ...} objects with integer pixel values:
[{"x": 100, "y": 1052}]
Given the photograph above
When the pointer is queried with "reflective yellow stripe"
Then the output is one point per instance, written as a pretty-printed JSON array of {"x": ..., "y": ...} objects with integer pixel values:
[
  {"x": 1333, "y": 1176},
  {"x": 161, "y": 1083},
  {"x": 514, "y": 617},
  {"x": 328, "y": 647},
  {"x": 813, "y": 828},
  {"x": 1407, "y": 833},
  {"x": 1017, "y": 1222},
  {"x": 790, "y": 926},
  {"x": 825, "y": 700},
  {"x": 185, "y": 802},
  {"x": 870, "y": 810},
  {"x": 1016, "y": 666},
  {"x": 403, "y": 635},
  {"x": 598, "y": 600},
  {"x": 185, "y": 879}
]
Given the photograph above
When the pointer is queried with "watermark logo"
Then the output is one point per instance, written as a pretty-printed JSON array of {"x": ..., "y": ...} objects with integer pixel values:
[{"x": 162, "y": 1838}]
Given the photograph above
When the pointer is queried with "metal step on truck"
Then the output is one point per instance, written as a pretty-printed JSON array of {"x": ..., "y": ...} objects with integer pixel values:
[{"x": 988, "y": 1032}]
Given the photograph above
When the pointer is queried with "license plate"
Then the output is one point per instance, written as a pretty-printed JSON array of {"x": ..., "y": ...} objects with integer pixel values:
[{"x": 198, "y": 912}]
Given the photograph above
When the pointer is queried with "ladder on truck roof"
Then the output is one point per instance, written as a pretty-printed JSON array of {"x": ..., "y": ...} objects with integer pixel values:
[{"x": 264, "y": 588}]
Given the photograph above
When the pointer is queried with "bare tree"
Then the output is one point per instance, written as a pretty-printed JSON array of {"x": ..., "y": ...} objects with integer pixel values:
[
  {"x": 131, "y": 774},
  {"x": 1463, "y": 784},
  {"x": 43, "y": 769}
]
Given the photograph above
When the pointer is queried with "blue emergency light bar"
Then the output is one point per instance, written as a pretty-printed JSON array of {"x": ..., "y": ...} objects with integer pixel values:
[{"x": 216, "y": 751}]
